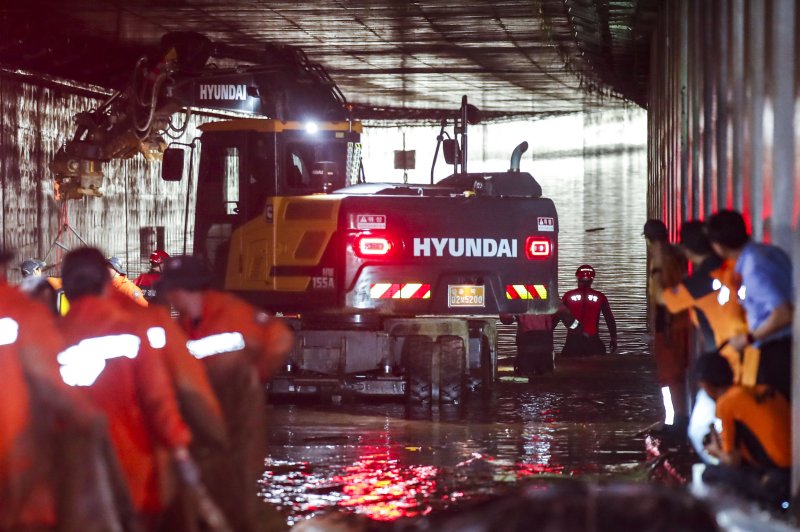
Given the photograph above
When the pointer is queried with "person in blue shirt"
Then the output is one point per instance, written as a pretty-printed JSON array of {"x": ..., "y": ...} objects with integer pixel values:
[{"x": 766, "y": 292}]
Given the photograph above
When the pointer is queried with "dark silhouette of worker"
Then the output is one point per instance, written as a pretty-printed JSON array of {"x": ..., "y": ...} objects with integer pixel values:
[
  {"x": 670, "y": 332},
  {"x": 535, "y": 339},
  {"x": 586, "y": 304}
]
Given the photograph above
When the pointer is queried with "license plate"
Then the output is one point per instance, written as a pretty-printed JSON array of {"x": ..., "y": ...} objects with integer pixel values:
[{"x": 466, "y": 295}]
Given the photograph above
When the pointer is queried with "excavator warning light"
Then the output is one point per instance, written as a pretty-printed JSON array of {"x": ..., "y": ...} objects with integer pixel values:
[{"x": 537, "y": 248}]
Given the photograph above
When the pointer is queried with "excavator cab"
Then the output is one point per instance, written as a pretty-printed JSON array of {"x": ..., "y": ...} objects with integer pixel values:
[{"x": 245, "y": 163}]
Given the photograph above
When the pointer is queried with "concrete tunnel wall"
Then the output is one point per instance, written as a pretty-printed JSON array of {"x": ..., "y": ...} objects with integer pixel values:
[
  {"x": 35, "y": 118},
  {"x": 723, "y": 125}
]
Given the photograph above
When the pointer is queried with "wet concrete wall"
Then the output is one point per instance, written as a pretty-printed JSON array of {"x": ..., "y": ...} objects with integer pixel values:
[
  {"x": 137, "y": 212},
  {"x": 722, "y": 120}
]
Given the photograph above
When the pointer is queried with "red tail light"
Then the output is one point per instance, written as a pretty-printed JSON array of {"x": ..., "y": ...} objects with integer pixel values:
[
  {"x": 538, "y": 248},
  {"x": 367, "y": 246}
]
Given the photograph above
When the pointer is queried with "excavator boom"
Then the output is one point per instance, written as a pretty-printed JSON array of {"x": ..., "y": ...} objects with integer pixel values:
[{"x": 277, "y": 81}]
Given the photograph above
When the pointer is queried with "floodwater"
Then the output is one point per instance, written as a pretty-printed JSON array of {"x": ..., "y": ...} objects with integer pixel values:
[{"x": 386, "y": 462}]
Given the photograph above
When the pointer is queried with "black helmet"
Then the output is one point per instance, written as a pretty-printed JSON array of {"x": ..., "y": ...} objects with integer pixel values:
[
  {"x": 30, "y": 266},
  {"x": 115, "y": 263},
  {"x": 655, "y": 230},
  {"x": 184, "y": 272}
]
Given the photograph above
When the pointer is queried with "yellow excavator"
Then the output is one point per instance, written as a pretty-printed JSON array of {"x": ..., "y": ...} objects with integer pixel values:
[{"x": 396, "y": 287}]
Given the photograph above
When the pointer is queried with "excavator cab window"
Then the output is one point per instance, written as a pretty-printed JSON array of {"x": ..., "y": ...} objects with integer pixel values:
[
  {"x": 297, "y": 175},
  {"x": 219, "y": 179},
  {"x": 219, "y": 191},
  {"x": 312, "y": 167}
]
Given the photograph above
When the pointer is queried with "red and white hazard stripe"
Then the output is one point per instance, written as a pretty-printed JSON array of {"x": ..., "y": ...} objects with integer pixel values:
[
  {"x": 400, "y": 291},
  {"x": 526, "y": 291}
]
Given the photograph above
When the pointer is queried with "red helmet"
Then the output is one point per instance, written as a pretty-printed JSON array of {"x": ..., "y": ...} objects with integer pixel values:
[
  {"x": 585, "y": 271},
  {"x": 158, "y": 257}
]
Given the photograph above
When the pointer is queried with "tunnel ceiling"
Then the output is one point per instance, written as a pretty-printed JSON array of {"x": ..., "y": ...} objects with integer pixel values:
[{"x": 392, "y": 59}]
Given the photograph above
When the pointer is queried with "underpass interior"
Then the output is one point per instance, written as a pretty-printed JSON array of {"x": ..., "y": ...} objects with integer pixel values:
[
  {"x": 633, "y": 109},
  {"x": 586, "y": 421}
]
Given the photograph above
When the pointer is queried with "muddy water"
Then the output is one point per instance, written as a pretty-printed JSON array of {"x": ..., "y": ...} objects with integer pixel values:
[{"x": 387, "y": 461}]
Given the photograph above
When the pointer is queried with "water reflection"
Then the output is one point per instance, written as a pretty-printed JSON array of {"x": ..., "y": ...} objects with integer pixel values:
[
  {"x": 387, "y": 462},
  {"x": 379, "y": 486}
]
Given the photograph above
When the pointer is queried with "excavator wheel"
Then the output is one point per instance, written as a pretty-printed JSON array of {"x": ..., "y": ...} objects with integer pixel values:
[
  {"x": 452, "y": 370},
  {"x": 488, "y": 368},
  {"x": 418, "y": 352}
]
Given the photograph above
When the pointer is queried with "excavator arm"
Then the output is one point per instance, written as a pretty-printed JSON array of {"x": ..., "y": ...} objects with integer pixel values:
[{"x": 277, "y": 81}]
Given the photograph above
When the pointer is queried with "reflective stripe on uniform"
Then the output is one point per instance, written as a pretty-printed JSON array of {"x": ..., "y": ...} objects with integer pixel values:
[
  {"x": 82, "y": 364},
  {"x": 9, "y": 331},
  {"x": 669, "y": 409},
  {"x": 216, "y": 344},
  {"x": 157, "y": 337}
]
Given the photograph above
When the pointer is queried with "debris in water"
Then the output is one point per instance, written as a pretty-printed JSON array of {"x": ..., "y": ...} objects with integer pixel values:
[{"x": 595, "y": 229}]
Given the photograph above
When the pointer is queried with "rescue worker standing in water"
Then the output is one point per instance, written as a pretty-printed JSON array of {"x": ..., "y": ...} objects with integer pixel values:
[
  {"x": 36, "y": 410},
  {"x": 586, "y": 304},
  {"x": 240, "y": 347},
  {"x": 112, "y": 361},
  {"x": 535, "y": 339}
]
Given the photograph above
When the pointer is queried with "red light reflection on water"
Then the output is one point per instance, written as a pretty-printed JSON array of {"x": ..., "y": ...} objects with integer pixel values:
[
  {"x": 525, "y": 470},
  {"x": 378, "y": 486}
]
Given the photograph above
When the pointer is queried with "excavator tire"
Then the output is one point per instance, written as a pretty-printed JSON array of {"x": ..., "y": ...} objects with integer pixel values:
[
  {"x": 418, "y": 352},
  {"x": 488, "y": 370},
  {"x": 452, "y": 371}
]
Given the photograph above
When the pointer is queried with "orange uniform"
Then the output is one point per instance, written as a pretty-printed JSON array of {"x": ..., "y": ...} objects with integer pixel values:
[
  {"x": 126, "y": 286},
  {"x": 30, "y": 376},
  {"x": 717, "y": 313},
  {"x": 15, "y": 431},
  {"x": 265, "y": 337},
  {"x": 111, "y": 360},
  {"x": 671, "y": 344},
  {"x": 756, "y": 421},
  {"x": 198, "y": 402},
  {"x": 240, "y": 346}
]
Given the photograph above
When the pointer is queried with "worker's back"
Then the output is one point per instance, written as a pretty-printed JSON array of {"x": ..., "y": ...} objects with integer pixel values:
[{"x": 110, "y": 360}]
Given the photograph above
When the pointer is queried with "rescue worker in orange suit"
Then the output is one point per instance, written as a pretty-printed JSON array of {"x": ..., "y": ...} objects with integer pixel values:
[
  {"x": 120, "y": 282},
  {"x": 754, "y": 448},
  {"x": 535, "y": 339},
  {"x": 670, "y": 332},
  {"x": 717, "y": 316},
  {"x": 586, "y": 305},
  {"x": 147, "y": 281},
  {"x": 198, "y": 402},
  {"x": 240, "y": 346},
  {"x": 196, "y": 398},
  {"x": 111, "y": 360},
  {"x": 36, "y": 409}
]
